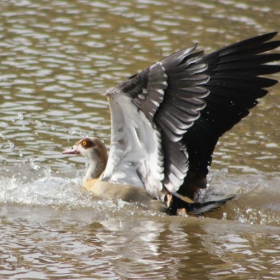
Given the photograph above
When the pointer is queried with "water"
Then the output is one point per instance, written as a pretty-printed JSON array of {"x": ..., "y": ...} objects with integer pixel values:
[{"x": 57, "y": 58}]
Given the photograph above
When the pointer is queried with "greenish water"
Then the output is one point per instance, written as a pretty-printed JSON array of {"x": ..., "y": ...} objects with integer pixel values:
[{"x": 57, "y": 58}]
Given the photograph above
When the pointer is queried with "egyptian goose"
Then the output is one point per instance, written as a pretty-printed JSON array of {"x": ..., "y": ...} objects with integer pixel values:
[
  {"x": 96, "y": 154},
  {"x": 167, "y": 119}
]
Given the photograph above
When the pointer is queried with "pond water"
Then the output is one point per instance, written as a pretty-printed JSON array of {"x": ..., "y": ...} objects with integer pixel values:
[{"x": 57, "y": 58}]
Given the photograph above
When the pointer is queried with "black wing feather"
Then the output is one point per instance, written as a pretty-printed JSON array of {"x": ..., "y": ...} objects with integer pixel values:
[
  {"x": 171, "y": 99},
  {"x": 193, "y": 99},
  {"x": 234, "y": 86}
]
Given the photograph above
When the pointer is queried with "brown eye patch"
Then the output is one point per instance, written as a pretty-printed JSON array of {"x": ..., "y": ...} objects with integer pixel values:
[{"x": 86, "y": 143}]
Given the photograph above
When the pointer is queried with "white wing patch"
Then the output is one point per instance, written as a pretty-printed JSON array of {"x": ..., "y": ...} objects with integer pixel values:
[
  {"x": 165, "y": 97},
  {"x": 135, "y": 156}
]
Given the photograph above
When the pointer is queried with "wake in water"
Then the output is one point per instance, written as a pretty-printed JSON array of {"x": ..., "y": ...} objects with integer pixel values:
[
  {"x": 20, "y": 184},
  {"x": 256, "y": 202}
]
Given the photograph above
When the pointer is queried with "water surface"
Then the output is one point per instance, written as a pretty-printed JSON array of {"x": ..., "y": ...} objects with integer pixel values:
[{"x": 57, "y": 58}]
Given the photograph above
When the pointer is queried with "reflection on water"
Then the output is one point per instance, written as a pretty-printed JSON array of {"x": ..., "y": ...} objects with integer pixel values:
[
  {"x": 57, "y": 58},
  {"x": 47, "y": 242}
]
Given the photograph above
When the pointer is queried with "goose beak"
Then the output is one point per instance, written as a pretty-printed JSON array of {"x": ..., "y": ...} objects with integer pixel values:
[{"x": 71, "y": 151}]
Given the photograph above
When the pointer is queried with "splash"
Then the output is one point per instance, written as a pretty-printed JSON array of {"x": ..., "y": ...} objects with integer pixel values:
[
  {"x": 43, "y": 187},
  {"x": 47, "y": 190}
]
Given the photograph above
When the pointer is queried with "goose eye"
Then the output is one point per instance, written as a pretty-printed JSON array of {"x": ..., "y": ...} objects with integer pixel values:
[{"x": 84, "y": 143}]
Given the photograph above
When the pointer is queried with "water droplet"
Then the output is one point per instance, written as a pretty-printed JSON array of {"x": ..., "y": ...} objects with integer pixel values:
[
  {"x": 11, "y": 145},
  {"x": 3, "y": 136},
  {"x": 33, "y": 165},
  {"x": 20, "y": 116},
  {"x": 38, "y": 123},
  {"x": 48, "y": 172}
]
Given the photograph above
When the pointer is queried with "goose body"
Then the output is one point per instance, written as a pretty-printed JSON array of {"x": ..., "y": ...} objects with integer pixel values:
[{"x": 167, "y": 119}]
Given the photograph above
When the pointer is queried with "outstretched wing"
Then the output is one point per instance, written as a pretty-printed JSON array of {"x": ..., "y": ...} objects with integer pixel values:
[
  {"x": 168, "y": 118},
  {"x": 234, "y": 86},
  {"x": 151, "y": 111}
]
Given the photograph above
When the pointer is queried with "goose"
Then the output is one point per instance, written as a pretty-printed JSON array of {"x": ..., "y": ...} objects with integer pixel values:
[{"x": 166, "y": 121}]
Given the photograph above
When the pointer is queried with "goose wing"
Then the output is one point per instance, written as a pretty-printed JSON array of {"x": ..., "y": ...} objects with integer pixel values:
[
  {"x": 234, "y": 85},
  {"x": 150, "y": 113},
  {"x": 167, "y": 119}
]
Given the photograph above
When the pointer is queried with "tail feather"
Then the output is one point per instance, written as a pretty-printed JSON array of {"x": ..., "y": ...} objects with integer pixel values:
[{"x": 195, "y": 208}]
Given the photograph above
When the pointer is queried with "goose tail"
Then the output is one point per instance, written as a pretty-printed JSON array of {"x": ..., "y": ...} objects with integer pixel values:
[{"x": 178, "y": 206}]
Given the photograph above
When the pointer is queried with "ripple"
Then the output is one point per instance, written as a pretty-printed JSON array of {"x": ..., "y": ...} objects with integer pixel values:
[{"x": 57, "y": 60}]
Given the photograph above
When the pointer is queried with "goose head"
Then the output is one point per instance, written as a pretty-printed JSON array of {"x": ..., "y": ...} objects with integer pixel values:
[{"x": 95, "y": 152}]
